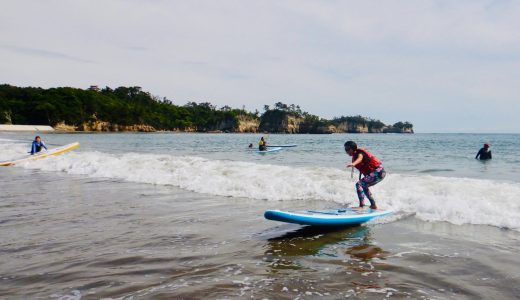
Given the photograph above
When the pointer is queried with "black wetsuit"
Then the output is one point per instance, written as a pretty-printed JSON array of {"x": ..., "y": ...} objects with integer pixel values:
[{"x": 484, "y": 154}]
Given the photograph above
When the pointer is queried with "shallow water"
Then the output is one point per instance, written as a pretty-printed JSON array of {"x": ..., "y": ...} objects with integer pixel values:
[
  {"x": 70, "y": 237},
  {"x": 71, "y": 228}
]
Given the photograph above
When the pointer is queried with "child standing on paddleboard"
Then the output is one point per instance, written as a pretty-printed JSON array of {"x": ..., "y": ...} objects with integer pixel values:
[{"x": 371, "y": 168}]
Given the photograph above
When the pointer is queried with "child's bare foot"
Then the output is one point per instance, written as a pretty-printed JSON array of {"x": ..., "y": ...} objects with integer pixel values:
[
  {"x": 358, "y": 208},
  {"x": 373, "y": 207}
]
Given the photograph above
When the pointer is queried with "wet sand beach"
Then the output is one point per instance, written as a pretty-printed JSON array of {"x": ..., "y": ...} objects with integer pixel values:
[{"x": 71, "y": 237}]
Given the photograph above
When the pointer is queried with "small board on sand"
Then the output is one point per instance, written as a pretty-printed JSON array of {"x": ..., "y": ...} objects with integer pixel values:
[
  {"x": 269, "y": 150},
  {"x": 42, "y": 154},
  {"x": 327, "y": 217}
]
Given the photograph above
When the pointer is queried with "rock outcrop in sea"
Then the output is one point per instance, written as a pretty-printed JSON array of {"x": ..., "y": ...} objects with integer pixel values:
[{"x": 286, "y": 121}]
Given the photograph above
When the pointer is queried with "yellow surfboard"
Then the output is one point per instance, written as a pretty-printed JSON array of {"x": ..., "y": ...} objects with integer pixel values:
[{"x": 51, "y": 152}]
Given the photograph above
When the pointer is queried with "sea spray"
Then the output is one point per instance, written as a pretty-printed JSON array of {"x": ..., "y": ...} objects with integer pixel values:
[{"x": 216, "y": 177}]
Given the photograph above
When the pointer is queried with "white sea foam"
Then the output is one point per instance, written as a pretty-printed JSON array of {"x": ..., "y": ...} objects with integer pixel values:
[{"x": 430, "y": 198}]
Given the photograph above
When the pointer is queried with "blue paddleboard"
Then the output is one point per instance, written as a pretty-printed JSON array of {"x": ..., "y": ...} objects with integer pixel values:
[
  {"x": 283, "y": 146},
  {"x": 328, "y": 217},
  {"x": 269, "y": 150}
]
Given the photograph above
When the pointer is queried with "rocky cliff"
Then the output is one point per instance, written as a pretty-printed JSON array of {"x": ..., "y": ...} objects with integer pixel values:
[
  {"x": 392, "y": 129},
  {"x": 281, "y": 121},
  {"x": 274, "y": 121},
  {"x": 349, "y": 127},
  {"x": 104, "y": 126},
  {"x": 5, "y": 117},
  {"x": 326, "y": 129},
  {"x": 242, "y": 125},
  {"x": 247, "y": 124},
  {"x": 278, "y": 121},
  {"x": 291, "y": 124},
  {"x": 284, "y": 124}
]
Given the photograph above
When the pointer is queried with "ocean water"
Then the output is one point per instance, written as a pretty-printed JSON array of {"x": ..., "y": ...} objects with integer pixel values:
[
  {"x": 167, "y": 215},
  {"x": 434, "y": 176}
]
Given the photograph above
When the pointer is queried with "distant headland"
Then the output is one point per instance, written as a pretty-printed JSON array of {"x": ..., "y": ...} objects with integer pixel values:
[{"x": 132, "y": 109}]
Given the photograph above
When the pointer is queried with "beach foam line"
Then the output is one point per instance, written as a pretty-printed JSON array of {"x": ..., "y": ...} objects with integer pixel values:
[
  {"x": 430, "y": 198},
  {"x": 35, "y": 128}
]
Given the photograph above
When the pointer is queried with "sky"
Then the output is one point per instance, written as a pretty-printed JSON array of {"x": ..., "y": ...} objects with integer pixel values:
[{"x": 445, "y": 66}]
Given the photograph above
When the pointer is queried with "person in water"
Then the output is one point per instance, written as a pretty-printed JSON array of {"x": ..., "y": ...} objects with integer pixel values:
[
  {"x": 250, "y": 146},
  {"x": 371, "y": 168},
  {"x": 262, "y": 145},
  {"x": 484, "y": 153},
  {"x": 37, "y": 145}
]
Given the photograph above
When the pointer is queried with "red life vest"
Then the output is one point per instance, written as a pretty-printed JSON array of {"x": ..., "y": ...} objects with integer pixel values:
[{"x": 369, "y": 162}]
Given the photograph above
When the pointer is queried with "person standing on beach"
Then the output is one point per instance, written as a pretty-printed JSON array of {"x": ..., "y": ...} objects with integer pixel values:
[
  {"x": 37, "y": 145},
  {"x": 262, "y": 145},
  {"x": 371, "y": 168},
  {"x": 484, "y": 153}
]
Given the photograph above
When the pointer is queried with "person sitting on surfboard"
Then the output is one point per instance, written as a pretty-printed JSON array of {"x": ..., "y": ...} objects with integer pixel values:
[
  {"x": 37, "y": 145},
  {"x": 262, "y": 145},
  {"x": 371, "y": 168},
  {"x": 484, "y": 153}
]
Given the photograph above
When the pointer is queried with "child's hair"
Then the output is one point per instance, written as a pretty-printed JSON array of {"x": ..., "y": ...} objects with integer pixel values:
[
  {"x": 350, "y": 145},
  {"x": 37, "y": 137}
]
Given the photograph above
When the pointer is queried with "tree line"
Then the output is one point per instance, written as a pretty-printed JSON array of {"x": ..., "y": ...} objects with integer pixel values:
[{"x": 132, "y": 105}]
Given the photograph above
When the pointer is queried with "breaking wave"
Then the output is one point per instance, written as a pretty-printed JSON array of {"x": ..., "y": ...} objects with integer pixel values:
[{"x": 430, "y": 198}]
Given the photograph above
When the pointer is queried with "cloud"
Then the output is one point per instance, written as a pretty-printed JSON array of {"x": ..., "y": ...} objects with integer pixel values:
[
  {"x": 486, "y": 25},
  {"x": 399, "y": 60},
  {"x": 43, "y": 53},
  {"x": 136, "y": 48}
]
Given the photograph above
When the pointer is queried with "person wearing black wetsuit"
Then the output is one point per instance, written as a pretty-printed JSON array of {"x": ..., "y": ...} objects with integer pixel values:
[{"x": 484, "y": 153}]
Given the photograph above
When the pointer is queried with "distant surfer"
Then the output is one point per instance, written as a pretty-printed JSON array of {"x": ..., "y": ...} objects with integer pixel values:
[
  {"x": 37, "y": 145},
  {"x": 484, "y": 153},
  {"x": 371, "y": 168},
  {"x": 262, "y": 145},
  {"x": 250, "y": 146}
]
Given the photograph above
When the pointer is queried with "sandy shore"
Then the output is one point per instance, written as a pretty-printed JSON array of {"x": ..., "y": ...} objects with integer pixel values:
[{"x": 4, "y": 127}]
